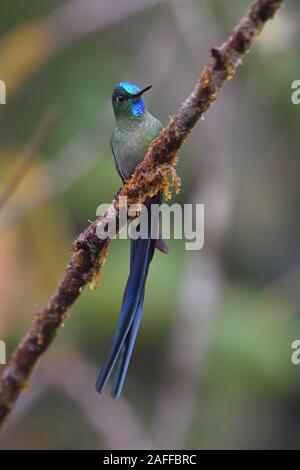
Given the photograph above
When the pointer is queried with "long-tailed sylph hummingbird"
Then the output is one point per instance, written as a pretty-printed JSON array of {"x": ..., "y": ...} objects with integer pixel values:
[{"x": 135, "y": 130}]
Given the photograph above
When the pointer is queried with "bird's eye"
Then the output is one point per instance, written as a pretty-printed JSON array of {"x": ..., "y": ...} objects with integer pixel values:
[{"x": 120, "y": 99}]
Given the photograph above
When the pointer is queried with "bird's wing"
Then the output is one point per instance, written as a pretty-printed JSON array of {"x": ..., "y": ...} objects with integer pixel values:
[{"x": 116, "y": 163}]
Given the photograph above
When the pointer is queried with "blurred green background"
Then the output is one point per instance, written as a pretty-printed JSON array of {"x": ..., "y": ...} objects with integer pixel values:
[{"x": 212, "y": 364}]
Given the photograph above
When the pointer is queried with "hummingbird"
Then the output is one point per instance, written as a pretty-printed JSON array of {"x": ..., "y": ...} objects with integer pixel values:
[{"x": 135, "y": 129}]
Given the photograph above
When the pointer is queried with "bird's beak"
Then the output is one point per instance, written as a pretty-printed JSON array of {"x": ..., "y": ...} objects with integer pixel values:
[{"x": 140, "y": 93}]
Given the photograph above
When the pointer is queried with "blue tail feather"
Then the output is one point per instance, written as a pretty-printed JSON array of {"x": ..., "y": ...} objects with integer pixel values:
[
  {"x": 131, "y": 311},
  {"x": 126, "y": 352},
  {"x": 133, "y": 291}
]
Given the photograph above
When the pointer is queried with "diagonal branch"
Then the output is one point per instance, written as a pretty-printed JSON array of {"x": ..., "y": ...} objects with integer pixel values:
[
  {"x": 32, "y": 152},
  {"x": 152, "y": 175}
]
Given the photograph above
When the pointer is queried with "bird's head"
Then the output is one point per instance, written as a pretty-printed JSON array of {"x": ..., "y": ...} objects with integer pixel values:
[{"x": 127, "y": 100}]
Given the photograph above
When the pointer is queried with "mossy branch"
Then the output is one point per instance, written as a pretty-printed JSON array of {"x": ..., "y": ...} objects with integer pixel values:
[{"x": 152, "y": 175}]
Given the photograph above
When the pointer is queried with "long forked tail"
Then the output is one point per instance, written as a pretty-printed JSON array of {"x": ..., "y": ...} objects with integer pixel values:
[{"x": 131, "y": 311}]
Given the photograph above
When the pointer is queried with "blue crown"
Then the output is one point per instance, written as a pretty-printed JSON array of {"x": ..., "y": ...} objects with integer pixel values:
[{"x": 129, "y": 87}]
